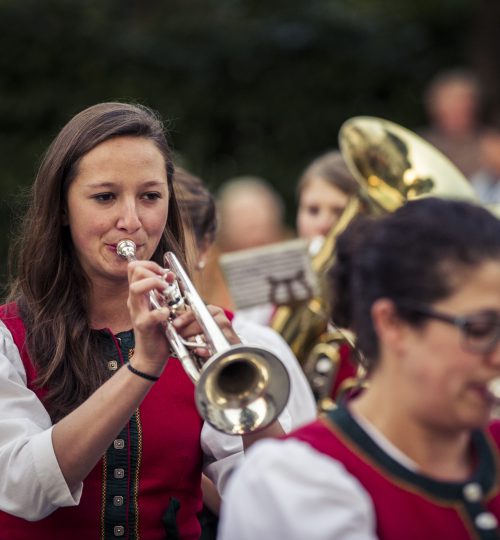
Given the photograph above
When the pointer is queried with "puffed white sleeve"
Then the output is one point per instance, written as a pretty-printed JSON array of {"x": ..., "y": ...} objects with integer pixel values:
[
  {"x": 285, "y": 489},
  {"x": 32, "y": 482}
]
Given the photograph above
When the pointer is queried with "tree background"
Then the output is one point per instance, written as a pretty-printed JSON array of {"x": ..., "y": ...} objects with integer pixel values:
[{"x": 245, "y": 87}]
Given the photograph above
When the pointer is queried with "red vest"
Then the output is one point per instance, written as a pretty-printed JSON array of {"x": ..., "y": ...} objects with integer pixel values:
[
  {"x": 408, "y": 505},
  {"x": 151, "y": 469}
]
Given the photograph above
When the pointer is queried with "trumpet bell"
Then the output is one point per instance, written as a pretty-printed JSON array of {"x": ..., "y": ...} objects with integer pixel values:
[
  {"x": 242, "y": 389},
  {"x": 395, "y": 165}
]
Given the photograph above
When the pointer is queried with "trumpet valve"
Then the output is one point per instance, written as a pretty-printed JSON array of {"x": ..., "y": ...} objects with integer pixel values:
[{"x": 173, "y": 297}]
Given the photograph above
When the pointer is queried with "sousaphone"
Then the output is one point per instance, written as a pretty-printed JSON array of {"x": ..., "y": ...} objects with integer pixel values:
[{"x": 394, "y": 165}]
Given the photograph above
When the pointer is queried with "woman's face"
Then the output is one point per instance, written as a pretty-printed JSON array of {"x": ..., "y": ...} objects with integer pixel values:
[
  {"x": 444, "y": 383},
  {"x": 120, "y": 191},
  {"x": 320, "y": 206}
]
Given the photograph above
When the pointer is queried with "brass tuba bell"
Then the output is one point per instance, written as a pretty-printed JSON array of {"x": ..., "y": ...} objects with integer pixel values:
[{"x": 394, "y": 165}]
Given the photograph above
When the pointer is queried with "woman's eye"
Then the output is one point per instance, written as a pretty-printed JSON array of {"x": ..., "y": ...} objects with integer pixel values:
[
  {"x": 103, "y": 197},
  {"x": 337, "y": 211},
  {"x": 479, "y": 329},
  {"x": 313, "y": 210},
  {"x": 152, "y": 195}
]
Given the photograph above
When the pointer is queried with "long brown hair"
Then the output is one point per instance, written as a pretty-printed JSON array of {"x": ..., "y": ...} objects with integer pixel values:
[
  {"x": 51, "y": 288},
  {"x": 197, "y": 205}
]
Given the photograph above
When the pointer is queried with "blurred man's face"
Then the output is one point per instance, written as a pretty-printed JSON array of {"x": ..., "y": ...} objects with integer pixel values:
[
  {"x": 249, "y": 221},
  {"x": 454, "y": 108}
]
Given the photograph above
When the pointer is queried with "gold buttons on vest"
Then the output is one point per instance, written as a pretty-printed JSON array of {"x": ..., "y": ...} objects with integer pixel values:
[
  {"x": 112, "y": 365},
  {"x": 117, "y": 500},
  {"x": 119, "y": 530},
  {"x": 119, "y": 473},
  {"x": 119, "y": 444}
]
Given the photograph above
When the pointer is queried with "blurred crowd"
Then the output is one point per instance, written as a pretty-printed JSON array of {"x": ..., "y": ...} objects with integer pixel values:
[{"x": 251, "y": 211}]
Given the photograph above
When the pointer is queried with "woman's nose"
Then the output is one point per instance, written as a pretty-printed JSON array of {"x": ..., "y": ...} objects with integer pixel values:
[
  {"x": 128, "y": 218},
  {"x": 325, "y": 224}
]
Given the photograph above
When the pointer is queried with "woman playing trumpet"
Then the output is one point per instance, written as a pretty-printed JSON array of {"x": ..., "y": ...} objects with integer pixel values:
[
  {"x": 99, "y": 434},
  {"x": 414, "y": 455}
]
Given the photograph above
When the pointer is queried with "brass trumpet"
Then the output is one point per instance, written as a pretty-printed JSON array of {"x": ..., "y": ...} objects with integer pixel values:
[{"x": 240, "y": 388}]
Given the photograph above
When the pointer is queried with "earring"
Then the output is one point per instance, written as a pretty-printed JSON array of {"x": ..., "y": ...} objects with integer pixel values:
[{"x": 200, "y": 265}]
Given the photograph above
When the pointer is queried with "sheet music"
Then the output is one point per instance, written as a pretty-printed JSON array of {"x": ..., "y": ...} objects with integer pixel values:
[{"x": 276, "y": 273}]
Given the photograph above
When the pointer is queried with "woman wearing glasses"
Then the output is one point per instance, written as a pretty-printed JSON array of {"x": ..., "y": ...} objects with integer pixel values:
[{"x": 415, "y": 454}]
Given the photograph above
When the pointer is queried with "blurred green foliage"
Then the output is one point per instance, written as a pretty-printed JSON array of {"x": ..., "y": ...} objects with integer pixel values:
[{"x": 246, "y": 87}]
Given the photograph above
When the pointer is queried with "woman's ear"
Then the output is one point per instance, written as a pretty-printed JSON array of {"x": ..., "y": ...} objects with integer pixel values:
[
  {"x": 390, "y": 328},
  {"x": 203, "y": 250}
]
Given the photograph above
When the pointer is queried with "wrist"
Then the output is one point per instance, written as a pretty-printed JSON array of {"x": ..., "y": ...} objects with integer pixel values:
[{"x": 147, "y": 373}]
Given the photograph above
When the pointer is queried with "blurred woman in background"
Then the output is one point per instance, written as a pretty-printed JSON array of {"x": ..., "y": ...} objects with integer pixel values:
[{"x": 323, "y": 191}]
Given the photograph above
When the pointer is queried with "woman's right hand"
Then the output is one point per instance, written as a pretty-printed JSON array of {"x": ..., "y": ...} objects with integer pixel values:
[{"x": 151, "y": 345}]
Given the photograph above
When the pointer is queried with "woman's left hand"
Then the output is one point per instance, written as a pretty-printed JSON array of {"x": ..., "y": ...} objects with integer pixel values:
[{"x": 188, "y": 326}]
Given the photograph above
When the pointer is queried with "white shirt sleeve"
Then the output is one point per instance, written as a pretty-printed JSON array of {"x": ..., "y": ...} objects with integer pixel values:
[
  {"x": 223, "y": 452},
  {"x": 32, "y": 484},
  {"x": 285, "y": 489}
]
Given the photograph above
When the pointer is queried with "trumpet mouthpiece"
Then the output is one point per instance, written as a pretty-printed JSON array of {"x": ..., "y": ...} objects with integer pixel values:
[{"x": 126, "y": 249}]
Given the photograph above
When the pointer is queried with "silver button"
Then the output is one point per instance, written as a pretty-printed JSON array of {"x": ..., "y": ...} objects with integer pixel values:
[
  {"x": 472, "y": 492},
  {"x": 117, "y": 500},
  {"x": 119, "y": 530},
  {"x": 112, "y": 365},
  {"x": 119, "y": 473},
  {"x": 486, "y": 521},
  {"x": 119, "y": 444}
]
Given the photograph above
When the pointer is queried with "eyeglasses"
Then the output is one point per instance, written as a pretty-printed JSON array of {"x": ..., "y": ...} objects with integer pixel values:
[{"x": 480, "y": 331}]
